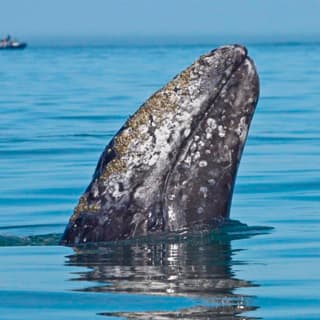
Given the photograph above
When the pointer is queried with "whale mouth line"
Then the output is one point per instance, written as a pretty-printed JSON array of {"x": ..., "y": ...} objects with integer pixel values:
[{"x": 186, "y": 143}]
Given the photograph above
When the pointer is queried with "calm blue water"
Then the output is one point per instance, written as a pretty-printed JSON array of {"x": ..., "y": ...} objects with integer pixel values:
[{"x": 59, "y": 108}]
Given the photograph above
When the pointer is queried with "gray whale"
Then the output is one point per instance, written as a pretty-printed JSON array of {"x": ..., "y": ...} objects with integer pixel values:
[{"x": 172, "y": 166}]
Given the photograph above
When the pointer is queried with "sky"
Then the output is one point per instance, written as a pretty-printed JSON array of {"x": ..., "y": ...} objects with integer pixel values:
[{"x": 274, "y": 19}]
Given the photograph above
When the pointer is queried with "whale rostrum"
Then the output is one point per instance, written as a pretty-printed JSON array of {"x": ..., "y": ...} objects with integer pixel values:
[{"x": 172, "y": 166}]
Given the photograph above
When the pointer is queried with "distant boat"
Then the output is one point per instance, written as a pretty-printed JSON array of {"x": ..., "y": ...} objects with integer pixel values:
[{"x": 10, "y": 44}]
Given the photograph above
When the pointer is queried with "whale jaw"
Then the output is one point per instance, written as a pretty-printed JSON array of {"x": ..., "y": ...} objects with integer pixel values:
[{"x": 173, "y": 165}]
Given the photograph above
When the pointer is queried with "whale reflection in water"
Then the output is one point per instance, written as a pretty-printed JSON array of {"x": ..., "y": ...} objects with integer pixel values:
[{"x": 197, "y": 266}]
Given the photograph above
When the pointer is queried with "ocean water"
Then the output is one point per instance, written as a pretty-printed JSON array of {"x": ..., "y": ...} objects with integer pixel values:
[{"x": 60, "y": 106}]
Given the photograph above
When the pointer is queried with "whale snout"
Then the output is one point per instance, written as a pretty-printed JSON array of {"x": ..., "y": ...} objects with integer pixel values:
[{"x": 173, "y": 164}]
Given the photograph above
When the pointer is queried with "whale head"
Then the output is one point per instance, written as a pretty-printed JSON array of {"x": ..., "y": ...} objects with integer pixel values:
[{"x": 173, "y": 164}]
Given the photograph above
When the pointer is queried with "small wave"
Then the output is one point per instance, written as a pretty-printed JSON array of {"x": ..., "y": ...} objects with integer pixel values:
[
  {"x": 232, "y": 230},
  {"x": 37, "y": 240}
]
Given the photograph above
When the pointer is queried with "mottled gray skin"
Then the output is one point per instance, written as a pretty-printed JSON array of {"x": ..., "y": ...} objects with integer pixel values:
[{"x": 172, "y": 166}]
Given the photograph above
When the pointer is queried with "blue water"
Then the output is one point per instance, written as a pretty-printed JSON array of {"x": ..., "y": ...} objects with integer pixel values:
[{"x": 60, "y": 106}]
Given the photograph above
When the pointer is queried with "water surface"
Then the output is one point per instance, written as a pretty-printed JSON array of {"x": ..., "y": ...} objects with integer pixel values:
[{"x": 59, "y": 108}]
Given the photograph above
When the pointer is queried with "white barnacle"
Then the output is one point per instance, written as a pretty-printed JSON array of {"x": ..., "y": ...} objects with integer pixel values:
[
  {"x": 153, "y": 160},
  {"x": 193, "y": 147},
  {"x": 171, "y": 215},
  {"x": 187, "y": 132},
  {"x": 127, "y": 131},
  {"x": 221, "y": 131},
  {"x": 197, "y": 155},
  {"x": 242, "y": 129},
  {"x": 203, "y": 189},
  {"x": 211, "y": 123},
  {"x": 187, "y": 160},
  {"x": 115, "y": 190},
  {"x": 171, "y": 196},
  {"x": 200, "y": 210},
  {"x": 95, "y": 190},
  {"x": 203, "y": 163}
]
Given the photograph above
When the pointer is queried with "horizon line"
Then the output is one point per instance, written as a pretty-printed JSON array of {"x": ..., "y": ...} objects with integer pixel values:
[{"x": 68, "y": 39}]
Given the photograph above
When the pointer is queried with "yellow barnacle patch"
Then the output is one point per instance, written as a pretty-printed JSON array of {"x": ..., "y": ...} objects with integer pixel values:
[{"x": 156, "y": 108}]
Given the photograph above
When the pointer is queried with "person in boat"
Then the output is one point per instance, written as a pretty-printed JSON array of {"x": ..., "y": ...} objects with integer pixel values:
[{"x": 6, "y": 40}]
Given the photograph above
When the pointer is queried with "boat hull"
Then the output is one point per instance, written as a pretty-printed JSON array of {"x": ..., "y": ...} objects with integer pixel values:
[{"x": 14, "y": 47}]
